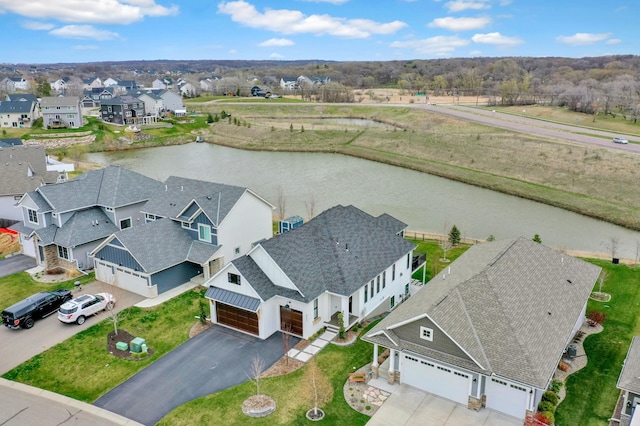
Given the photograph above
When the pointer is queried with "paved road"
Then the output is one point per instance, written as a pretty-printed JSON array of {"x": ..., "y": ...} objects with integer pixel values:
[
  {"x": 532, "y": 126},
  {"x": 214, "y": 360},
  {"x": 20, "y": 345},
  {"x": 18, "y": 263}
]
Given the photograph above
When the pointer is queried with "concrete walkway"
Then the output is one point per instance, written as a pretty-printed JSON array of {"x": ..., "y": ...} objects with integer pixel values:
[
  {"x": 25, "y": 405},
  {"x": 410, "y": 406},
  {"x": 313, "y": 348}
]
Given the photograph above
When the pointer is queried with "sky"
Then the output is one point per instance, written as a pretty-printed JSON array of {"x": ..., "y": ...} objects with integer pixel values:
[{"x": 52, "y": 31}]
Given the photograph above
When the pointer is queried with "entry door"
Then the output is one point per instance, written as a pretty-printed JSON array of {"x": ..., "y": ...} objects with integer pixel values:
[
  {"x": 291, "y": 321},
  {"x": 350, "y": 305}
]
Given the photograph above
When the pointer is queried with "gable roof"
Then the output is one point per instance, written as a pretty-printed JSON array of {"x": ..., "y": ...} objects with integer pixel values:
[
  {"x": 83, "y": 227},
  {"x": 10, "y": 142},
  {"x": 23, "y": 168},
  {"x": 113, "y": 186},
  {"x": 22, "y": 97},
  {"x": 8, "y": 107},
  {"x": 215, "y": 199},
  {"x": 629, "y": 379},
  {"x": 511, "y": 305},
  {"x": 59, "y": 101},
  {"x": 338, "y": 251}
]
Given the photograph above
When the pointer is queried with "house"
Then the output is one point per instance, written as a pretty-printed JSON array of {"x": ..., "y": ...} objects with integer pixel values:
[
  {"x": 121, "y": 109},
  {"x": 110, "y": 82},
  {"x": 629, "y": 384},
  {"x": 261, "y": 91},
  {"x": 18, "y": 114},
  {"x": 188, "y": 90},
  {"x": 23, "y": 168},
  {"x": 342, "y": 261},
  {"x": 91, "y": 83},
  {"x": 153, "y": 103},
  {"x": 92, "y": 98},
  {"x": 490, "y": 329},
  {"x": 191, "y": 229},
  {"x": 171, "y": 101},
  {"x": 24, "y": 97},
  {"x": 62, "y": 223},
  {"x": 162, "y": 83},
  {"x": 60, "y": 85},
  {"x": 208, "y": 84},
  {"x": 12, "y": 84},
  {"x": 61, "y": 112},
  {"x": 289, "y": 83}
]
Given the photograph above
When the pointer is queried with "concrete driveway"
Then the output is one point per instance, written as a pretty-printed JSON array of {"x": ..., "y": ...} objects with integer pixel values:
[
  {"x": 410, "y": 406},
  {"x": 214, "y": 360},
  {"x": 17, "y": 263},
  {"x": 20, "y": 345}
]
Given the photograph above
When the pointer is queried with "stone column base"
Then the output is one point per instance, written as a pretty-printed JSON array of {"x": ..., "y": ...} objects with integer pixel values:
[
  {"x": 474, "y": 403},
  {"x": 391, "y": 377}
]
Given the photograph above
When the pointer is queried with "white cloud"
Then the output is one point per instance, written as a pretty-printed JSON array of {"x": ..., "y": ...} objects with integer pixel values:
[
  {"x": 434, "y": 46},
  {"x": 276, "y": 56},
  {"x": 583, "y": 39},
  {"x": 37, "y": 26},
  {"x": 496, "y": 39},
  {"x": 295, "y": 22},
  {"x": 276, "y": 42},
  {"x": 85, "y": 47},
  {"x": 462, "y": 5},
  {"x": 83, "y": 32},
  {"x": 460, "y": 24},
  {"x": 614, "y": 41},
  {"x": 88, "y": 11}
]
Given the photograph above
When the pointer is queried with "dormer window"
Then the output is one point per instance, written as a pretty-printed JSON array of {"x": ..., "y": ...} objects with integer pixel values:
[
  {"x": 33, "y": 216},
  {"x": 186, "y": 225},
  {"x": 204, "y": 232},
  {"x": 426, "y": 333}
]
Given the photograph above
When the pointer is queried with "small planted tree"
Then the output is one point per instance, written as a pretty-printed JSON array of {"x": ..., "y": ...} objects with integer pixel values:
[
  {"x": 341, "y": 331},
  {"x": 256, "y": 370},
  {"x": 537, "y": 239},
  {"x": 454, "y": 235},
  {"x": 491, "y": 238},
  {"x": 318, "y": 389}
]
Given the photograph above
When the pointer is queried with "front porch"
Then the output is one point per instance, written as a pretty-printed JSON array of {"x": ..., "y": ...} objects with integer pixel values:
[{"x": 334, "y": 325}]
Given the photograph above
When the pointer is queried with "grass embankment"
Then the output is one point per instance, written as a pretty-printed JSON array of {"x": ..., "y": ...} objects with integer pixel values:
[
  {"x": 593, "y": 181},
  {"x": 14, "y": 288},
  {"x": 81, "y": 367},
  {"x": 591, "y": 392}
]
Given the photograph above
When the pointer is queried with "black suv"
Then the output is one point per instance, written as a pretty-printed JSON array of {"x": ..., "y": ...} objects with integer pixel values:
[{"x": 24, "y": 313}]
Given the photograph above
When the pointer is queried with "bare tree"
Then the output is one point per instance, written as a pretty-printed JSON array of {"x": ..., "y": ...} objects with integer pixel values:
[
  {"x": 445, "y": 243},
  {"x": 115, "y": 315},
  {"x": 310, "y": 206},
  {"x": 286, "y": 342},
  {"x": 318, "y": 389},
  {"x": 256, "y": 370},
  {"x": 281, "y": 203}
]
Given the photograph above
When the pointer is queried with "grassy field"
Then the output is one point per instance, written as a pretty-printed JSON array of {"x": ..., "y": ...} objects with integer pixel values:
[
  {"x": 594, "y": 181},
  {"x": 16, "y": 287},
  {"x": 82, "y": 369}
]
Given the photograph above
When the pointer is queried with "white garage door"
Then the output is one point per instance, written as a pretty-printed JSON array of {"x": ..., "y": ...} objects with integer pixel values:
[
  {"x": 28, "y": 246},
  {"x": 132, "y": 282},
  {"x": 506, "y": 397},
  {"x": 436, "y": 379}
]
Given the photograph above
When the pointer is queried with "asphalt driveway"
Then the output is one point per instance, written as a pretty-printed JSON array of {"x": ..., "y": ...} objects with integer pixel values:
[
  {"x": 214, "y": 360},
  {"x": 18, "y": 263}
]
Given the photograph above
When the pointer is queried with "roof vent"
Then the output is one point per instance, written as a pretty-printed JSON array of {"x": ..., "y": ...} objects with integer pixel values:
[{"x": 570, "y": 282}]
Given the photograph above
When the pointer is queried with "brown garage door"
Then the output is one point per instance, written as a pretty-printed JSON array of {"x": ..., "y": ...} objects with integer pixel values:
[
  {"x": 237, "y": 318},
  {"x": 291, "y": 321}
]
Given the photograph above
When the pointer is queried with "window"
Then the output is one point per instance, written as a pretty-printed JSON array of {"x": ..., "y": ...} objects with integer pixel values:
[
  {"x": 406, "y": 288},
  {"x": 233, "y": 278},
  {"x": 408, "y": 260},
  {"x": 371, "y": 294},
  {"x": 63, "y": 252},
  {"x": 186, "y": 225},
  {"x": 204, "y": 232},
  {"x": 109, "y": 209},
  {"x": 125, "y": 223},
  {"x": 393, "y": 272},
  {"x": 149, "y": 217},
  {"x": 392, "y": 303},
  {"x": 378, "y": 285},
  {"x": 315, "y": 308},
  {"x": 384, "y": 279},
  {"x": 366, "y": 292},
  {"x": 237, "y": 250},
  {"x": 109, "y": 109},
  {"x": 426, "y": 333},
  {"x": 33, "y": 216}
]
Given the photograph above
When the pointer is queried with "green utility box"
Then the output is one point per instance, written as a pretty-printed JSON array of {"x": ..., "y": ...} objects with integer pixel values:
[
  {"x": 136, "y": 344},
  {"x": 122, "y": 346}
]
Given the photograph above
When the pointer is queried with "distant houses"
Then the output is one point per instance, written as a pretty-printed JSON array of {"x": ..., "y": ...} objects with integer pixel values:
[
  {"x": 61, "y": 112},
  {"x": 19, "y": 111}
]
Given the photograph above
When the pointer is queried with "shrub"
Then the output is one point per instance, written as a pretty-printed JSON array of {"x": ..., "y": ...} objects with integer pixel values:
[
  {"x": 547, "y": 417},
  {"x": 551, "y": 397},
  {"x": 546, "y": 406},
  {"x": 555, "y": 386},
  {"x": 596, "y": 317},
  {"x": 563, "y": 366}
]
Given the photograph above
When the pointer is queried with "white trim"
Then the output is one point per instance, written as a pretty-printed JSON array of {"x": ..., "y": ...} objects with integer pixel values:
[
  {"x": 130, "y": 223},
  {"x": 426, "y": 333},
  {"x": 390, "y": 339}
]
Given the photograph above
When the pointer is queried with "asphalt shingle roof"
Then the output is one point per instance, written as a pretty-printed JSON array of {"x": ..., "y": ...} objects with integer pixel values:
[
  {"x": 82, "y": 227},
  {"x": 23, "y": 169},
  {"x": 13, "y": 107},
  {"x": 629, "y": 379},
  {"x": 338, "y": 251},
  {"x": 511, "y": 305}
]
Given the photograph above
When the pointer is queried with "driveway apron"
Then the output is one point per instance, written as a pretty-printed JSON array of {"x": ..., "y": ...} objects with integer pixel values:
[
  {"x": 214, "y": 360},
  {"x": 18, "y": 263}
]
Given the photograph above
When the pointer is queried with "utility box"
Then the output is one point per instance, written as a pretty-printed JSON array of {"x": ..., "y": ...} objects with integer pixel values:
[
  {"x": 136, "y": 344},
  {"x": 572, "y": 351},
  {"x": 122, "y": 346}
]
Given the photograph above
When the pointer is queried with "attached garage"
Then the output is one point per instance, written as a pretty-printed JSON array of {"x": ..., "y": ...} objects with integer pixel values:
[
  {"x": 435, "y": 378},
  {"x": 235, "y": 310},
  {"x": 28, "y": 246},
  {"x": 130, "y": 281},
  {"x": 507, "y": 397}
]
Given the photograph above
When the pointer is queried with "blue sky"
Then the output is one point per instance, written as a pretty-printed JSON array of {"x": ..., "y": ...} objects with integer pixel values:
[{"x": 45, "y": 31}]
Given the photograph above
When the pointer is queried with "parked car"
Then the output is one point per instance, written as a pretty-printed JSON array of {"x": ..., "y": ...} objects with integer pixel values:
[
  {"x": 24, "y": 313},
  {"x": 620, "y": 140},
  {"x": 78, "y": 309}
]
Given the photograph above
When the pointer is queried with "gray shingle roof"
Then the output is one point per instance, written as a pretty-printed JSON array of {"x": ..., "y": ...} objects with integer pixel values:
[
  {"x": 59, "y": 101},
  {"x": 22, "y": 97},
  {"x": 82, "y": 227},
  {"x": 12, "y": 107},
  {"x": 161, "y": 244},
  {"x": 338, "y": 251},
  {"x": 113, "y": 186},
  {"x": 511, "y": 305},
  {"x": 23, "y": 169},
  {"x": 178, "y": 193},
  {"x": 260, "y": 282},
  {"x": 10, "y": 142},
  {"x": 629, "y": 379}
]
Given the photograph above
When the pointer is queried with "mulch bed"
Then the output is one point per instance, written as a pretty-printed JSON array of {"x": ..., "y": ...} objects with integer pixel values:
[{"x": 122, "y": 336}]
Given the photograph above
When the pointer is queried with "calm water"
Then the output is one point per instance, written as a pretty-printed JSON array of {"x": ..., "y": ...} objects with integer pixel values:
[{"x": 426, "y": 203}]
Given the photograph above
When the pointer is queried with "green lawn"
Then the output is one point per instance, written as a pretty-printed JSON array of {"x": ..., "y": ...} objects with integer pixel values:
[
  {"x": 226, "y": 407},
  {"x": 435, "y": 262},
  {"x": 591, "y": 392},
  {"x": 16, "y": 287},
  {"x": 82, "y": 369}
]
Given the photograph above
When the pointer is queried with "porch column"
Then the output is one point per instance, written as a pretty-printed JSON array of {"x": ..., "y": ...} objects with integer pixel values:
[
  {"x": 344, "y": 307},
  {"x": 374, "y": 365},
  {"x": 391, "y": 374}
]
